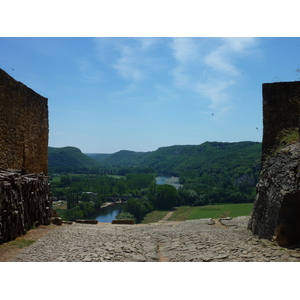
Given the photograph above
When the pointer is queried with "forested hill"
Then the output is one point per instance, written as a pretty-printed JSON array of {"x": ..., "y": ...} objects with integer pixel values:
[
  {"x": 209, "y": 157},
  {"x": 67, "y": 159},
  {"x": 233, "y": 159}
]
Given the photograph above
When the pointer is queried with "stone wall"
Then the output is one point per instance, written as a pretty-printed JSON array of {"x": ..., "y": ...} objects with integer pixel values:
[
  {"x": 24, "y": 202},
  {"x": 23, "y": 127},
  {"x": 281, "y": 102},
  {"x": 276, "y": 210},
  {"x": 24, "y": 189}
]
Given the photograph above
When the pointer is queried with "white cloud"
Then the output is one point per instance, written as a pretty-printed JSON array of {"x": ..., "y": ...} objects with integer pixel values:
[
  {"x": 185, "y": 52},
  {"x": 215, "y": 90},
  {"x": 185, "y": 49},
  {"x": 220, "y": 62},
  {"x": 240, "y": 45},
  {"x": 218, "y": 58},
  {"x": 134, "y": 59},
  {"x": 127, "y": 65},
  {"x": 223, "y": 58},
  {"x": 147, "y": 43}
]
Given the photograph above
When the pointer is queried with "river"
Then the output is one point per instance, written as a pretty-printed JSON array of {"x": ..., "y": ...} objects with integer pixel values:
[
  {"x": 168, "y": 180},
  {"x": 108, "y": 213}
]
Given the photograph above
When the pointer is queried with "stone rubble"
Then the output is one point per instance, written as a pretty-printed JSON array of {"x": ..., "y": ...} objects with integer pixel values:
[{"x": 188, "y": 241}]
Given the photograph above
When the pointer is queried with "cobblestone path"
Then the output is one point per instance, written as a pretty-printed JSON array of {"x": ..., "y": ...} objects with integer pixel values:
[{"x": 188, "y": 241}]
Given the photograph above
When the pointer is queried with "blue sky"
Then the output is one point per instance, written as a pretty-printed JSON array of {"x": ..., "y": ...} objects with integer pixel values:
[{"x": 108, "y": 94}]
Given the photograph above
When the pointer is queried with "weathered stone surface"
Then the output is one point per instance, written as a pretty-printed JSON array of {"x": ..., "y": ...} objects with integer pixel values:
[
  {"x": 238, "y": 221},
  {"x": 276, "y": 211},
  {"x": 25, "y": 202},
  {"x": 56, "y": 220},
  {"x": 189, "y": 241},
  {"x": 280, "y": 112},
  {"x": 24, "y": 189},
  {"x": 23, "y": 127},
  {"x": 277, "y": 206}
]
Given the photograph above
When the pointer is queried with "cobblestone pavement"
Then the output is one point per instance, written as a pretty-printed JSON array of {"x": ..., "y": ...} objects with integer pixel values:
[{"x": 188, "y": 241}]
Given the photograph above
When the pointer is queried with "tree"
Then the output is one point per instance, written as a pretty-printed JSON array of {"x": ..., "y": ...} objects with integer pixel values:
[
  {"x": 65, "y": 181},
  {"x": 167, "y": 197},
  {"x": 134, "y": 207},
  {"x": 125, "y": 215}
]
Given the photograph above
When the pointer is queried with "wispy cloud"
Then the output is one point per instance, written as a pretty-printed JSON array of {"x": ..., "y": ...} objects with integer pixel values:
[
  {"x": 209, "y": 67},
  {"x": 134, "y": 58},
  {"x": 215, "y": 90},
  {"x": 127, "y": 65},
  {"x": 216, "y": 63},
  {"x": 185, "y": 49},
  {"x": 223, "y": 58},
  {"x": 185, "y": 52}
]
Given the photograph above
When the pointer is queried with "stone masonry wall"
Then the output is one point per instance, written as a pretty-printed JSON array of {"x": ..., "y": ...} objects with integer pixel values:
[
  {"x": 281, "y": 102},
  {"x": 24, "y": 202},
  {"x": 23, "y": 127},
  {"x": 276, "y": 209},
  {"x": 24, "y": 189}
]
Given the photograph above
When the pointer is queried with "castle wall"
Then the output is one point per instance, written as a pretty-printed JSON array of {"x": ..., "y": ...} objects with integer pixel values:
[
  {"x": 24, "y": 194},
  {"x": 23, "y": 127},
  {"x": 281, "y": 102},
  {"x": 276, "y": 209},
  {"x": 24, "y": 202}
]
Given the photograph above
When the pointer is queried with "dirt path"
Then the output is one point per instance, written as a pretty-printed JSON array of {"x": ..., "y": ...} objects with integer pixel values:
[{"x": 167, "y": 216}]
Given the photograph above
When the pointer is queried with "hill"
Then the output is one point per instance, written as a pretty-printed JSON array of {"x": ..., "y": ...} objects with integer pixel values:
[
  {"x": 209, "y": 157},
  {"x": 123, "y": 158},
  {"x": 68, "y": 159},
  {"x": 235, "y": 161},
  {"x": 98, "y": 156},
  {"x": 212, "y": 172}
]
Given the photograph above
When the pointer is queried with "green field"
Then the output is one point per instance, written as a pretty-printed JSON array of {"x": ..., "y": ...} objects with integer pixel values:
[
  {"x": 184, "y": 213},
  {"x": 154, "y": 216}
]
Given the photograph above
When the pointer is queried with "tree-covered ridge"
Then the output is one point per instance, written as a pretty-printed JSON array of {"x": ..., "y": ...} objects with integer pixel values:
[
  {"x": 123, "y": 158},
  {"x": 208, "y": 157},
  {"x": 224, "y": 159},
  {"x": 68, "y": 159}
]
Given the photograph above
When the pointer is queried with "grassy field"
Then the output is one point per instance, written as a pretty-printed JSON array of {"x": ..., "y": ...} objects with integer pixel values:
[
  {"x": 184, "y": 213},
  {"x": 154, "y": 216}
]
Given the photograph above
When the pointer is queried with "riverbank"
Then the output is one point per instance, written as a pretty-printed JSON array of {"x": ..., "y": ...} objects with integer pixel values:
[{"x": 106, "y": 204}]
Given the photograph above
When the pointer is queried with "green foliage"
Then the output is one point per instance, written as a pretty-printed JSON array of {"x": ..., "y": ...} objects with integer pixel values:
[
  {"x": 125, "y": 216},
  {"x": 209, "y": 173},
  {"x": 122, "y": 158},
  {"x": 138, "y": 208},
  {"x": 71, "y": 159},
  {"x": 287, "y": 137},
  {"x": 71, "y": 214},
  {"x": 86, "y": 193},
  {"x": 20, "y": 243},
  {"x": 189, "y": 160},
  {"x": 167, "y": 197}
]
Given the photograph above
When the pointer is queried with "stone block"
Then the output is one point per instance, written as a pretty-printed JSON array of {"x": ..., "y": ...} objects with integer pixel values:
[
  {"x": 123, "y": 221},
  {"x": 56, "y": 220},
  {"x": 87, "y": 221}
]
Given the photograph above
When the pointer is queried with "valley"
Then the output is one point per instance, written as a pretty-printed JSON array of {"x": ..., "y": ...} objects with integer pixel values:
[{"x": 207, "y": 174}]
